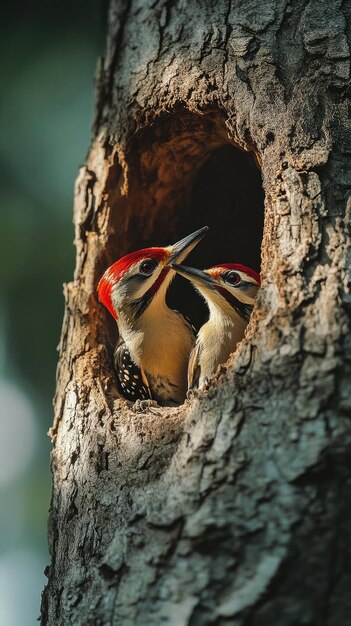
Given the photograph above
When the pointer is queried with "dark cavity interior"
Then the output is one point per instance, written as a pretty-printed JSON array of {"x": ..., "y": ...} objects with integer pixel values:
[{"x": 227, "y": 196}]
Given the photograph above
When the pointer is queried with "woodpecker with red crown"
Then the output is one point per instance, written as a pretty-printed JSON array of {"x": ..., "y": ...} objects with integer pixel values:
[
  {"x": 229, "y": 290},
  {"x": 152, "y": 353}
]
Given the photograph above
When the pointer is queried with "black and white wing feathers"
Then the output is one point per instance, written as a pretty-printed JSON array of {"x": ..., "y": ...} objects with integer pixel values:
[{"x": 132, "y": 382}]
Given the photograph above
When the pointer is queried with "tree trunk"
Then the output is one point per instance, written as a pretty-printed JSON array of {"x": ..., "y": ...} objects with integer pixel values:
[{"x": 234, "y": 508}]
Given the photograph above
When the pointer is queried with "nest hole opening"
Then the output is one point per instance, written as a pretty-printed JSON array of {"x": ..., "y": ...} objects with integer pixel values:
[{"x": 184, "y": 173}]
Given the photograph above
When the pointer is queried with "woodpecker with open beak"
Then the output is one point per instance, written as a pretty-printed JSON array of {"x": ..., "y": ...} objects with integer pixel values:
[
  {"x": 152, "y": 353},
  {"x": 229, "y": 291}
]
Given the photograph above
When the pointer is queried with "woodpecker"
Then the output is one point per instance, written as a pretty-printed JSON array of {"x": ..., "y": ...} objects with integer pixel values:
[
  {"x": 152, "y": 353},
  {"x": 229, "y": 290}
]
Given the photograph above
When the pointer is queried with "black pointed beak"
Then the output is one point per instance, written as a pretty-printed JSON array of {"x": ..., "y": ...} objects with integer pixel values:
[
  {"x": 198, "y": 277},
  {"x": 182, "y": 248}
]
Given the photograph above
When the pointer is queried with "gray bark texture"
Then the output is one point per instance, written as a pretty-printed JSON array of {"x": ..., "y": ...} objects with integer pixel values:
[{"x": 234, "y": 508}]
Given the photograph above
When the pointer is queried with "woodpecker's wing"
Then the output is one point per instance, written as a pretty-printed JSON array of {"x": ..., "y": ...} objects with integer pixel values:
[
  {"x": 194, "y": 369},
  {"x": 132, "y": 382},
  {"x": 188, "y": 321},
  {"x": 193, "y": 366}
]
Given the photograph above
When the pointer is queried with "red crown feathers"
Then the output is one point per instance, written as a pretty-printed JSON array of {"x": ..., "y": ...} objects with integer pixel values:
[
  {"x": 116, "y": 271},
  {"x": 241, "y": 268}
]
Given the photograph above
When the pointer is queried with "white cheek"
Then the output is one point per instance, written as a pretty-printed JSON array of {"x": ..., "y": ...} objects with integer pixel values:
[
  {"x": 128, "y": 290},
  {"x": 246, "y": 296},
  {"x": 143, "y": 287},
  {"x": 118, "y": 296},
  {"x": 146, "y": 284}
]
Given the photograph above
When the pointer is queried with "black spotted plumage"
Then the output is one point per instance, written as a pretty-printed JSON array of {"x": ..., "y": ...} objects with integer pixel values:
[{"x": 132, "y": 385}]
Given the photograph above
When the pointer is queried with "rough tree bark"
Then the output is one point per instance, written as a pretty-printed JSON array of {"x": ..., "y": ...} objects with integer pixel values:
[{"x": 235, "y": 507}]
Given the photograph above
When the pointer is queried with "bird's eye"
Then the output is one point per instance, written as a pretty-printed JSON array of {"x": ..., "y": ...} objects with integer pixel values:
[
  {"x": 147, "y": 267},
  {"x": 233, "y": 278}
]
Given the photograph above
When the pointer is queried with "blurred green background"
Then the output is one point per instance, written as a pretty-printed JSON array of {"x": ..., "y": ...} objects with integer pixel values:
[{"x": 48, "y": 59}]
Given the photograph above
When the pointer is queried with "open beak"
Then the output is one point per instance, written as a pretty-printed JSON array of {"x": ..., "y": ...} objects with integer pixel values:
[
  {"x": 182, "y": 248},
  {"x": 198, "y": 277}
]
